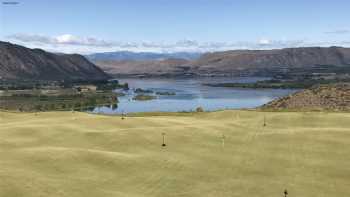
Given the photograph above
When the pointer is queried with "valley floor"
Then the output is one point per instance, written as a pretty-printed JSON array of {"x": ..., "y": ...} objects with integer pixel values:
[{"x": 81, "y": 155}]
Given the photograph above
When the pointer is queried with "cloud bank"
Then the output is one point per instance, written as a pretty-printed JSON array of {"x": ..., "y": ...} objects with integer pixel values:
[
  {"x": 65, "y": 39},
  {"x": 339, "y": 31},
  {"x": 68, "y": 43}
]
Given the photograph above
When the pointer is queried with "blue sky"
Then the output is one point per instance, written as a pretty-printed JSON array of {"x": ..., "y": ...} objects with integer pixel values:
[{"x": 87, "y": 26}]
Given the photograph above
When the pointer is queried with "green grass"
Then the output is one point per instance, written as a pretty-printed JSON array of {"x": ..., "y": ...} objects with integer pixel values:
[{"x": 68, "y": 154}]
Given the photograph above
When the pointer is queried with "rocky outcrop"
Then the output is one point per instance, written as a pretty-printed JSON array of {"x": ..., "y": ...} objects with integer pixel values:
[
  {"x": 18, "y": 62},
  {"x": 333, "y": 97}
]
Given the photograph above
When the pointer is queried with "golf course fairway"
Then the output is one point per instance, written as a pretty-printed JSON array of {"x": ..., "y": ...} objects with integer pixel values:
[{"x": 219, "y": 154}]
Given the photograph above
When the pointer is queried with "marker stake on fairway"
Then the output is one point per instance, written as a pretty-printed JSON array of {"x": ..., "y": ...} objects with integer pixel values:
[
  {"x": 264, "y": 121},
  {"x": 123, "y": 115},
  {"x": 285, "y": 193},
  {"x": 223, "y": 140},
  {"x": 163, "y": 134}
]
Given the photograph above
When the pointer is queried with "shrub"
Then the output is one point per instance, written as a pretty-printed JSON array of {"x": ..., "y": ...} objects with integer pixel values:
[{"x": 199, "y": 109}]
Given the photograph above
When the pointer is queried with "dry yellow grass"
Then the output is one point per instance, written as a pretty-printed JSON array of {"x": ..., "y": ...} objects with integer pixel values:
[{"x": 78, "y": 154}]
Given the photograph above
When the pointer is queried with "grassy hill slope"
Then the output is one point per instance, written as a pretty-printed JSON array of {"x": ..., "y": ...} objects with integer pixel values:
[{"x": 81, "y": 155}]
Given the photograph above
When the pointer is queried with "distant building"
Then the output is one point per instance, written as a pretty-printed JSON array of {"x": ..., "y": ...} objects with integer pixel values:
[{"x": 85, "y": 88}]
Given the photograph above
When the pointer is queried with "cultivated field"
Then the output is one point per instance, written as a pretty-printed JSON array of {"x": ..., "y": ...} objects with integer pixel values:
[{"x": 66, "y": 154}]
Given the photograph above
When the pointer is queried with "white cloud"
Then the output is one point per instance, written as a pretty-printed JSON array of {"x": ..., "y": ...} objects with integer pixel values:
[
  {"x": 30, "y": 38},
  {"x": 339, "y": 31},
  {"x": 264, "y": 41},
  {"x": 69, "y": 43},
  {"x": 66, "y": 38}
]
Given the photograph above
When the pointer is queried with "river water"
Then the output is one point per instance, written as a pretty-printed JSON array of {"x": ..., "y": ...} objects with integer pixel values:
[{"x": 190, "y": 94}]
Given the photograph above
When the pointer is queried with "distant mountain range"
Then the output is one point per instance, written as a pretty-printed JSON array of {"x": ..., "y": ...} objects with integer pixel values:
[
  {"x": 264, "y": 63},
  {"x": 18, "y": 62},
  {"x": 142, "y": 56}
]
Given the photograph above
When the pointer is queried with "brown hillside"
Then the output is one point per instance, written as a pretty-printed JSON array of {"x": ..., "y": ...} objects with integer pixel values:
[
  {"x": 18, "y": 62},
  {"x": 274, "y": 62},
  {"x": 264, "y": 63},
  {"x": 146, "y": 67}
]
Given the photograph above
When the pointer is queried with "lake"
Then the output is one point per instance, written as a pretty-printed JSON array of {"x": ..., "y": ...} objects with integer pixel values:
[{"x": 190, "y": 94}]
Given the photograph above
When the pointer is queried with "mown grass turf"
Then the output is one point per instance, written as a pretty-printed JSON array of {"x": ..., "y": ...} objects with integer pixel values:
[{"x": 68, "y": 154}]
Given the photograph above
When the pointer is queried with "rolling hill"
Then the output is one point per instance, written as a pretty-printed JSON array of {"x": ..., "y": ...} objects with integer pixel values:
[{"x": 64, "y": 154}]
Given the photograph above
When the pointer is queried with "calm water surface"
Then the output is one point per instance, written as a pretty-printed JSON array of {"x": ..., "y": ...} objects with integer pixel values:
[{"x": 190, "y": 94}]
